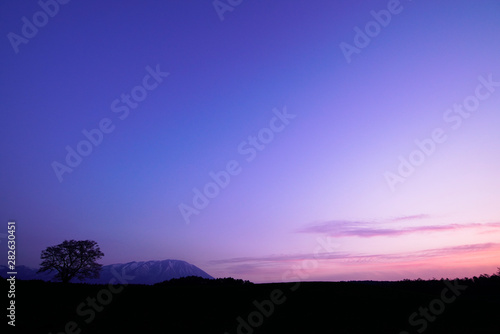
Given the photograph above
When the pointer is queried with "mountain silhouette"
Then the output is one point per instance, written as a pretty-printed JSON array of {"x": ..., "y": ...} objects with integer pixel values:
[{"x": 144, "y": 272}]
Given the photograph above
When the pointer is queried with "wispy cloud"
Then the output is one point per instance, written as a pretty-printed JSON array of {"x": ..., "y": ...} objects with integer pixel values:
[
  {"x": 458, "y": 249},
  {"x": 339, "y": 228},
  {"x": 282, "y": 258},
  {"x": 344, "y": 257},
  {"x": 412, "y": 217}
]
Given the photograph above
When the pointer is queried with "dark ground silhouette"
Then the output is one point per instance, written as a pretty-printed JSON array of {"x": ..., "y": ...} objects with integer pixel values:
[{"x": 195, "y": 305}]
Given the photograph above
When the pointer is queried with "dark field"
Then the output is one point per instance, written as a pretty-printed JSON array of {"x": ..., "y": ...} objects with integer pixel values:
[{"x": 462, "y": 306}]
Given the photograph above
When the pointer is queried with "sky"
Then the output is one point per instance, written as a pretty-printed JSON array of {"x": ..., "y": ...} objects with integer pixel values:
[{"x": 270, "y": 141}]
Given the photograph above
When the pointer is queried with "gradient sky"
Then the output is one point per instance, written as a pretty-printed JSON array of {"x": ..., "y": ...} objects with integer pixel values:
[{"x": 314, "y": 203}]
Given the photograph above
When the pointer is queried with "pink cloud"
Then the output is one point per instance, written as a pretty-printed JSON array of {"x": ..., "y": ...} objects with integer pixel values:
[
  {"x": 338, "y": 265},
  {"x": 339, "y": 228},
  {"x": 252, "y": 262},
  {"x": 412, "y": 217}
]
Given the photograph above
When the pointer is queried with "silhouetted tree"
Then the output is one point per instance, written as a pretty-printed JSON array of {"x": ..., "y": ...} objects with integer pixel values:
[{"x": 72, "y": 259}]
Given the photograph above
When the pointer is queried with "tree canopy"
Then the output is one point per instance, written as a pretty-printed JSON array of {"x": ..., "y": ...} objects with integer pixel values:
[{"x": 72, "y": 259}]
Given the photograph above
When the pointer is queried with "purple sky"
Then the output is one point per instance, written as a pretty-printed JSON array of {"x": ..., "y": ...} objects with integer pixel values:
[{"x": 338, "y": 155}]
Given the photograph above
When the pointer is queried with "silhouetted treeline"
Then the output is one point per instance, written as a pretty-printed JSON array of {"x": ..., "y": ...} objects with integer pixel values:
[
  {"x": 196, "y": 280},
  {"x": 233, "y": 306}
]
